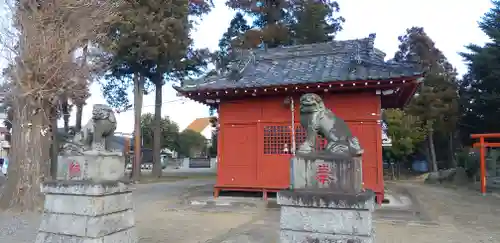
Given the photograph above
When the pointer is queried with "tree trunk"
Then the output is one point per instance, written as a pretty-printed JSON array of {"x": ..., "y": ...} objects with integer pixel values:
[
  {"x": 29, "y": 158},
  {"x": 54, "y": 147},
  {"x": 157, "y": 170},
  {"x": 79, "y": 113},
  {"x": 427, "y": 153},
  {"x": 80, "y": 102},
  {"x": 451, "y": 151},
  {"x": 66, "y": 115},
  {"x": 138, "y": 93},
  {"x": 432, "y": 150}
]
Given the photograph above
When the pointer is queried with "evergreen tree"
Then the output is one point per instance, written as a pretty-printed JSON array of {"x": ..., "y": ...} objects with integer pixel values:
[
  {"x": 288, "y": 22},
  {"x": 480, "y": 88},
  {"x": 436, "y": 103},
  {"x": 232, "y": 38},
  {"x": 237, "y": 28},
  {"x": 276, "y": 23},
  {"x": 271, "y": 20},
  {"x": 151, "y": 41},
  {"x": 315, "y": 21},
  {"x": 406, "y": 132}
]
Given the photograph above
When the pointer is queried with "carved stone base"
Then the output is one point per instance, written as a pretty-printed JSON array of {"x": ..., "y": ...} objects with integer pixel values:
[
  {"x": 323, "y": 170},
  {"x": 318, "y": 216},
  {"x": 87, "y": 212},
  {"x": 95, "y": 165}
]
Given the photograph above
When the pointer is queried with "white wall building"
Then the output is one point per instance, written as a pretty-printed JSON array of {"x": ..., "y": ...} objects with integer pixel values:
[{"x": 203, "y": 126}]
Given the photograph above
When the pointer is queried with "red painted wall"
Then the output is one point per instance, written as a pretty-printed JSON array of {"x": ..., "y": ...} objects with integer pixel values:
[{"x": 248, "y": 158}]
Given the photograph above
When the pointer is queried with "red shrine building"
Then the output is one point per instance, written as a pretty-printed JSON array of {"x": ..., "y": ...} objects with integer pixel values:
[{"x": 257, "y": 101}]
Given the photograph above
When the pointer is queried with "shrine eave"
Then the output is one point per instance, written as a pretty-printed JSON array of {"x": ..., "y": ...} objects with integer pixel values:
[{"x": 394, "y": 92}]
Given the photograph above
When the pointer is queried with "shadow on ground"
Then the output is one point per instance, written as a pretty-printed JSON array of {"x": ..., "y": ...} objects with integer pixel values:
[{"x": 165, "y": 212}]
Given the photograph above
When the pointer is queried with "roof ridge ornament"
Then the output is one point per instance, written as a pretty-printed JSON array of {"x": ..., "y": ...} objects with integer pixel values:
[
  {"x": 371, "y": 45},
  {"x": 357, "y": 54}
]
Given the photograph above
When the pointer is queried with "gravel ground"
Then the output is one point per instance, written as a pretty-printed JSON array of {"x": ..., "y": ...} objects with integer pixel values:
[
  {"x": 452, "y": 216},
  {"x": 455, "y": 216},
  {"x": 22, "y": 228}
]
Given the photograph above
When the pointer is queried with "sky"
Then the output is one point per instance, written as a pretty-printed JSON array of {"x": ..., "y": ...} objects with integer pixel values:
[{"x": 451, "y": 24}]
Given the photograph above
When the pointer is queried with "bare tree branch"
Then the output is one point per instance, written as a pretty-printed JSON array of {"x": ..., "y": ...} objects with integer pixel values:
[{"x": 40, "y": 41}]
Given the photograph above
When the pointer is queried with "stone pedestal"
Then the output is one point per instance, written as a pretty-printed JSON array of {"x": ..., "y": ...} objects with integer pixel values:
[
  {"x": 100, "y": 165},
  {"x": 213, "y": 163},
  {"x": 318, "y": 216},
  {"x": 326, "y": 171},
  {"x": 185, "y": 163},
  {"x": 87, "y": 212},
  {"x": 326, "y": 202},
  {"x": 88, "y": 203}
]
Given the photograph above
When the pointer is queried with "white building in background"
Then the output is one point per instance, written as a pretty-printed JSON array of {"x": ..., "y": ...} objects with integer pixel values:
[{"x": 202, "y": 126}]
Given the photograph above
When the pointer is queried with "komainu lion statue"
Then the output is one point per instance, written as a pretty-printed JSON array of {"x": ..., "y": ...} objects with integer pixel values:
[
  {"x": 318, "y": 120},
  {"x": 101, "y": 126}
]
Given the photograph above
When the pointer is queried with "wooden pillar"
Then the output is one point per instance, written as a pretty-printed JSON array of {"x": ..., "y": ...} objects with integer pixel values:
[{"x": 482, "y": 155}]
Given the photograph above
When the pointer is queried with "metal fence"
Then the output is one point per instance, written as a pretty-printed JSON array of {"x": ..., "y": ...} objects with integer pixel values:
[
  {"x": 199, "y": 163},
  {"x": 175, "y": 162}
]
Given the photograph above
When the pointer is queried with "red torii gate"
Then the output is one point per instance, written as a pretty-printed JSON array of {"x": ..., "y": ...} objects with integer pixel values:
[{"x": 482, "y": 153}]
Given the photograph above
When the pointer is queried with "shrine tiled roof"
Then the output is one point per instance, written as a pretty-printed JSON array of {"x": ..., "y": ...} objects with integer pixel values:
[{"x": 348, "y": 60}]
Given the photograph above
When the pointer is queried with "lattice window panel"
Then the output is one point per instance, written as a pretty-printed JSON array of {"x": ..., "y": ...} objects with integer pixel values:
[
  {"x": 300, "y": 137},
  {"x": 278, "y": 139}
]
